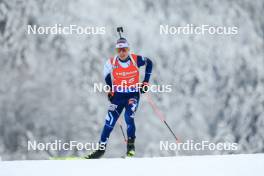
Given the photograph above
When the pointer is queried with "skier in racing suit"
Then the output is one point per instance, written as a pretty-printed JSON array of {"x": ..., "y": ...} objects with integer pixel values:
[{"x": 122, "y": 75}]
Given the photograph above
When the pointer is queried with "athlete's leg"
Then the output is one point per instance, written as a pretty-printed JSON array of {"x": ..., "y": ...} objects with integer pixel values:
[
  {"x": 131, "y": 108},
  {"x": 112, "y": 115}
]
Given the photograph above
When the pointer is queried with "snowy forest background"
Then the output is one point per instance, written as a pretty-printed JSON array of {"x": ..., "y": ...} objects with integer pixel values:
[{"x": 218, "y": 80}]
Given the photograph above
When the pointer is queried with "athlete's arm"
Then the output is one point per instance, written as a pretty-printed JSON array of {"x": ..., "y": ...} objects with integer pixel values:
[
  {"x": 107, "y": 73},
  {"x": 108, "y": 80},
  {"x": 141, "y": 61}
]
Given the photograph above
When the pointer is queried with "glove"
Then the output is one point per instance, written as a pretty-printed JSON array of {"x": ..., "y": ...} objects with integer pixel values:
[
  {"x": 144, "y": 87},
  {"x": 110, "y": 96}
]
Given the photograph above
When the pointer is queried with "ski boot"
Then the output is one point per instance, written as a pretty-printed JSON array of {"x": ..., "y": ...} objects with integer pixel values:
[
  {"x": 131, "y": 147},
  {"x": 98, "y": 153}
]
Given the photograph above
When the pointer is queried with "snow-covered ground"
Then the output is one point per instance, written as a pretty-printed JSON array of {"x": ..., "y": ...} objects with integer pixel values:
[{"x": 225, "y": 165}]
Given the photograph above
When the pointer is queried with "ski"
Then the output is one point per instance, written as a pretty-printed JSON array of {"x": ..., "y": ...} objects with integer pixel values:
[{"x": 67, "y": 158}]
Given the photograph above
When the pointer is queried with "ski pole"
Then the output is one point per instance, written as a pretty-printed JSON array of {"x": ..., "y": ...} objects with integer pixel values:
[
  {"x": 122, "y": 130},
  {"x": 160, "y": 115}
]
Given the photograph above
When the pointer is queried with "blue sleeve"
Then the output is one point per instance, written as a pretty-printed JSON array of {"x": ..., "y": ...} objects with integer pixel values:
[
  {"x": 108, "y": 80},
  {"x": 141, "y": 61}
]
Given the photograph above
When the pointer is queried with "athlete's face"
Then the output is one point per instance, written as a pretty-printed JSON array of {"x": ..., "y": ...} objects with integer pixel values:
[{"x": 123, "y": 53}]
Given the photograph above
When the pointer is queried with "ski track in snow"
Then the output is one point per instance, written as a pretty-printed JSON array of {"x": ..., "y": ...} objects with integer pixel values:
[{"x": 215, "y": 165}]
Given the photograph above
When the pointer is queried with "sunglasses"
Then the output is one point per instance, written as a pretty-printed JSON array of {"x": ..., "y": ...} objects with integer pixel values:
[{"x": 119, "y": 50}]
